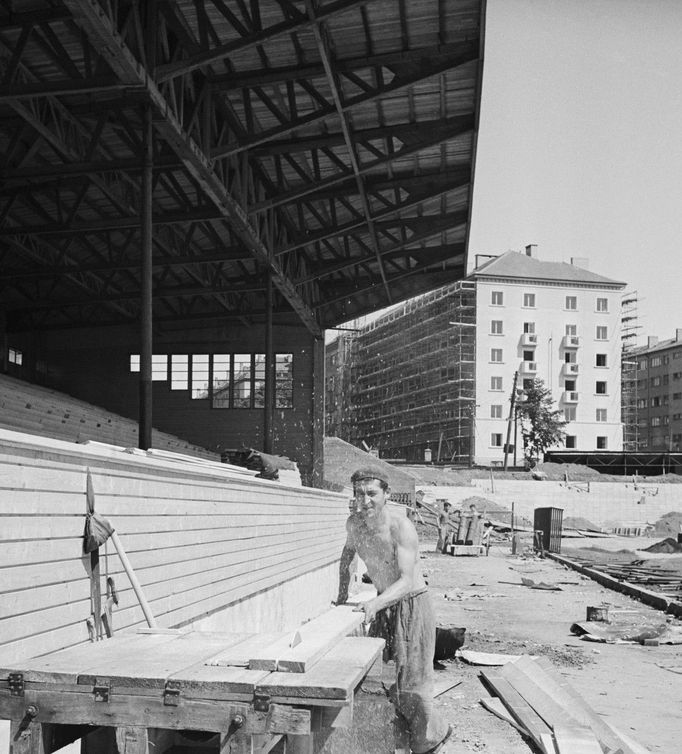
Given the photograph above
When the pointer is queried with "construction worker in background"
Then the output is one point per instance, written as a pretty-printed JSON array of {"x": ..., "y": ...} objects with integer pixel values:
[
  {"x": 402, "y": 612},
  {"x": 443, "y": 527}
]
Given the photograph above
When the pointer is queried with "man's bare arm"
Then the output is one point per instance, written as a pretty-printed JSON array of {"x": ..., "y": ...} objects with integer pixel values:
[{"x": 347, "y": 555}]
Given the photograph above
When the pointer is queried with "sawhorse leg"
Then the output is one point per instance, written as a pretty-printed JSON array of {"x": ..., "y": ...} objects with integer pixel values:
[
  {"x": 132, "y": 740},
  {"x": 29, "y": 738}
]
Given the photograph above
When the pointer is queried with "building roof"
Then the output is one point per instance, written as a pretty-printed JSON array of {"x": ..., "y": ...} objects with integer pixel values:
[
  {"x": 327, "y": 148},
  {"x": 514, "y": 264},
  {"x": 661, "y": 345}
]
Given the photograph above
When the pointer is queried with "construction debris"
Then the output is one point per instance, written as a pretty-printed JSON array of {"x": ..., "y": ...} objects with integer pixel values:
[{"x": 552, "y": 713}]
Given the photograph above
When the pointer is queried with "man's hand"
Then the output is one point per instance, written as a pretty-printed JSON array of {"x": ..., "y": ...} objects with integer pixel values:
[{"x": 369, "y": 608}]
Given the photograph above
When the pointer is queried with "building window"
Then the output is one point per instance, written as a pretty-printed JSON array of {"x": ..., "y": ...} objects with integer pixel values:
[
  {"x": 642, "y": 364},
  {"x": 656, "y": 361},
  {"x": 527, "y": 383},
  {"x": 656, "y": 401},
  {"x": 529, "y": 355},
  {"x": 570, "y": 357},
  {"x": 496, "y": 439},
  {"x": 179, "y": 371},
  {"x": 497, "y": 298},
  {"x": 601, "y": 442},
  {"x": 655, "y": 421},
  {"x": 284, "y": 380},
  {"x": 655, "y": 382},
  {"x": 159, "y": 367},
  {"x": 602, "y": 304},
  {"x": 496, "y": 411},
  {"x": 601, "y": 415},
  {"x": 677, "y": 396},
  {"x": 496, "y": 355},
  {"x": 600, "y": 360},
  {"x": 569, "y": 413},
  {"x": 529, "y": 328},
  {"x": 243, "y": 373},
  {"x": 571, "y": 330},
  {"x": 572, "y": 303},
  {"x": 199, "y": 376},
  {"x": 569, "y": 386},
  {"x": 600, "y": 387},
  {"x": 529, "y": 300},
  {"x": 15, "y": 356},
  {"x": 221, "y": 383},
  {"x": 641, "y": 403},
  {"x": 602, "y": 332},
  {"x": 496, "y": 383},
  {"x": 496, "y": 327},
  {"x": 569, "y": 441}
]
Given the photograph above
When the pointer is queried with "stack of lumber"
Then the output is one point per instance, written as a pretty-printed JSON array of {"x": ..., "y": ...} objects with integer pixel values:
[
  {"x": 551, "y": 713},
  {"x": 41, "y": 411},
  {"x": 651, "y": 575}
]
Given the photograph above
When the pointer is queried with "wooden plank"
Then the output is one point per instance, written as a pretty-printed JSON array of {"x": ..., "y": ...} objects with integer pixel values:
[
  {"x": 65, "y": 666},
  {"x": 316, "y": 638},
  {"x": 334, "y": 676},
  {"x": 147, "y": 660},
  {"x": 495, "y": 705},
  {"x": 576, "y": 740},
  {"x": 131, "y": 740},
  {"x": 542, "y": 702},
  {"x": 240, "y": 653},
  {"x": 519, "y": 708},
  {"x": 143, "y": 711},
  {"x": 203, "y": 681},
  {"x": 578, "y": 707}
]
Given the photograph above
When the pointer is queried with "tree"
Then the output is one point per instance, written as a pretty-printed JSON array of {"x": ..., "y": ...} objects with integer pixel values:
[{"x": 542, "y": 424}]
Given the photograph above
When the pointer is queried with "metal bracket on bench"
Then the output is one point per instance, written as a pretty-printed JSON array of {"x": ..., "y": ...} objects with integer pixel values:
[
  {"x": 15, "y": 681},
  {"x": 171, "y": 694},
  {"x": 261, "y": 702},
  {"x": 101, "y": 690}
]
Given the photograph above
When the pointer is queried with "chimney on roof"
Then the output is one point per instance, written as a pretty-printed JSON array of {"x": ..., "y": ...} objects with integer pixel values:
[
  {"x": 532, "y": 250},
  {"x": 651, "y": 341},
  {"x": 678, "y": 334},
  {"x": 582, "y": 262}
]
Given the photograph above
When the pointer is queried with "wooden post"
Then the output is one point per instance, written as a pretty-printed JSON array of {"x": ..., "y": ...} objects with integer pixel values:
[
  {"x": 27, "y": 738},
  {"x": 145, "y": 417},
  {"x": 132, "y": 740}
]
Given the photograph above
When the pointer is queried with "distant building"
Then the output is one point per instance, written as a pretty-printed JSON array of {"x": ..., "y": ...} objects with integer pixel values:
[
  {"x": 659, "y": 393},
  {"x": 432, "y": 379}
]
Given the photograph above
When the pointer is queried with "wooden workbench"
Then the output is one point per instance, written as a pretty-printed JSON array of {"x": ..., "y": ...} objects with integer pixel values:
[{"x": 140, "y": 681}]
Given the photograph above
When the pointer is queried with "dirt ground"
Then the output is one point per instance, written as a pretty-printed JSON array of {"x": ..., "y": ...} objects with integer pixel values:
[{"x": 629, "y": 685}]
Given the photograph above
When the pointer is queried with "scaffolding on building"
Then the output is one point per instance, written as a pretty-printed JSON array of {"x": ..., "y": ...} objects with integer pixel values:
[
  {"x": 629, "y": 385},
  {"x": 413, "y": 379}
]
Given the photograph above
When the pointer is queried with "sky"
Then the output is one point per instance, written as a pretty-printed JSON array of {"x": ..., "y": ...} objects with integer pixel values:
[{"x": 580, "y": 142}]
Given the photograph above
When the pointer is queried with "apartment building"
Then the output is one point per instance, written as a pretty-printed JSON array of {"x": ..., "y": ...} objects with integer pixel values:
[
  {"x": 557, "y": 322},
  {"x": 659, "y": 393},
  {"x": 433, "y": 378}
]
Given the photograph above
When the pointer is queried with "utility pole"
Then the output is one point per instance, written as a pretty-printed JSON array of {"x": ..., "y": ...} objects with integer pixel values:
[{"x": 512, "y": 403}]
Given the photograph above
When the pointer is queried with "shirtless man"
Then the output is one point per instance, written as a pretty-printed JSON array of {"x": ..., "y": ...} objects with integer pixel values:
[{"x": 401, "y": 612}]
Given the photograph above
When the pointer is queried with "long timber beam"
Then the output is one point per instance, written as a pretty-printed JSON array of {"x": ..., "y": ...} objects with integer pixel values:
[{"x": 92, "y": 19}]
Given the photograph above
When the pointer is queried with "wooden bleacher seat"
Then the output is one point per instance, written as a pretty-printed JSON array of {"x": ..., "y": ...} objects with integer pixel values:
[{"x": 38, "y": 410}]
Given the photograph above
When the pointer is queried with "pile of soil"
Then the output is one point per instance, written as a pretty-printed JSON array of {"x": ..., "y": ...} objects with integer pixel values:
[
  {"x": 665, "y": 545},
  {"x": 576, "y": 522},
  {"x": 669, "y": 525}
]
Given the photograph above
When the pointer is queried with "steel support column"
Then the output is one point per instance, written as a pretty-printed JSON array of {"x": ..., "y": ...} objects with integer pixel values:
[
  {"x": 269, "y": 408},
  {"x": 145, "y": 418}
]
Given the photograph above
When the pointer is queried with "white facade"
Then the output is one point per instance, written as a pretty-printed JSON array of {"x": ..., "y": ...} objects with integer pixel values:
[{"x": 566, "y": 333}]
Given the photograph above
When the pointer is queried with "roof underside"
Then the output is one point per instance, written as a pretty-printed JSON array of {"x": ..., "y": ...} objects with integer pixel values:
[{"x": 328, "y": 145}]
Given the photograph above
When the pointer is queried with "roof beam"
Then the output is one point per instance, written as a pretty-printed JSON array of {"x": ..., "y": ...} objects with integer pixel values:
[
  {"x": 468, "y": 53},
  {"x": 247, "y": 79},
  {"x": 91, "y": 17},
  {"x": 345, "y": 129},
  {"x": 182, "y": 67}
]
